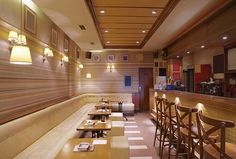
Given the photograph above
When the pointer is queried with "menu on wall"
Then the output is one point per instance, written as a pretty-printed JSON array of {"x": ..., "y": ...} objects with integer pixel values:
[{"x": 231, "y": 59}]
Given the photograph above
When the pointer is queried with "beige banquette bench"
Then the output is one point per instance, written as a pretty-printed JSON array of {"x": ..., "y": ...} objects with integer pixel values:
[
  {"x": 42, "y": 134},
  {"x": 127, "y": 104}
]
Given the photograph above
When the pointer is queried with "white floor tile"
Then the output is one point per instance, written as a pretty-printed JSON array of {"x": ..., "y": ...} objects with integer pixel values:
[
  {"x": 132, "y": 132},
  {"x": 137, "y": 147},
  {"x": 135, "y": 138}
]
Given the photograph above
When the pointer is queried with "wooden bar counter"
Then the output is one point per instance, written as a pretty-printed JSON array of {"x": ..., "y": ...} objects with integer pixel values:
[{"x": 213, "y": 106}]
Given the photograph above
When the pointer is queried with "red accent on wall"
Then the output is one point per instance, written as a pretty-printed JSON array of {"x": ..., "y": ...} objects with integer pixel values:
[
  {"x": 176, "y": 66},
  {"x": 176, "y": 76},
  {"x": 203, "y": 76},
  {"x": 136, "y": 100}
]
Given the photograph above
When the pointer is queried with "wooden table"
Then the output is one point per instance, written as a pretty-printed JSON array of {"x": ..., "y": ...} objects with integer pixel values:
[
  {"x": 100, "y": 112},
  {"x": 102, "y": 105},
  {"x": 97, "y": 128},
  {"x": 99, "y": 152}
]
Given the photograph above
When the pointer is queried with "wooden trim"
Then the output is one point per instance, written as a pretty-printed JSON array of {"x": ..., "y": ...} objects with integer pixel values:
[
  {"x": 166, "y": 11},
  {"x": 164, "y": 14},
  {"x": 92, "y": 12}
]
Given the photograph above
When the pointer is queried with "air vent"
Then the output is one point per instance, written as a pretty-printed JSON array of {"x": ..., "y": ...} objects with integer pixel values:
[{"x": 82, "y": 27}]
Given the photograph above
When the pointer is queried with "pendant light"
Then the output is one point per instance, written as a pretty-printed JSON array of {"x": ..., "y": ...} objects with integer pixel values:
[{"x": 20, "y": 53}]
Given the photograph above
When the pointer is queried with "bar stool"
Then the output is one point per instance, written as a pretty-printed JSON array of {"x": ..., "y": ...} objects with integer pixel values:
[
  {"x": 187, "y": 130},
  {"x": 170, "y": 134},
  {"x": 220, "y": 150},
  {"x": 158, "y": 109}
]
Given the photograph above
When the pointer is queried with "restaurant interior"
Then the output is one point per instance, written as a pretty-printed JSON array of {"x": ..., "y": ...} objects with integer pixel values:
[{"x": 117, "y": 79}]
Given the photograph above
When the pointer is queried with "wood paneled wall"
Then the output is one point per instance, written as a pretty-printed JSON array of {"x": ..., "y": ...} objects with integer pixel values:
[
  {"x": 25, "y": 89},
  {"x": 105, "y": 81},
  {"x": 209, "y": 33}
]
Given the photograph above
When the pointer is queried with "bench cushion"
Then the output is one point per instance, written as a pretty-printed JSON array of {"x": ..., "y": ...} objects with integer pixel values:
[
  {"x": 116, "y": 116},
  {"x": 51, "y": 143},
  {"x": 119, "y": 147},
  {"x": 117, "y": 129}
]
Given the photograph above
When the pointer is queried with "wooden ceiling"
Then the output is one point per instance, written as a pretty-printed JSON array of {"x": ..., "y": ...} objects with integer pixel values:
[{"x": 128, "y": 23}]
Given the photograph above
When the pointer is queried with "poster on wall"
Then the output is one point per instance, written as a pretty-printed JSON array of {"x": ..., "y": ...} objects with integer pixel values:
[
  {"x": 127, "y": 81},
  {"x": 160, "y": 83},
  {"x": 231, "y": 59}
]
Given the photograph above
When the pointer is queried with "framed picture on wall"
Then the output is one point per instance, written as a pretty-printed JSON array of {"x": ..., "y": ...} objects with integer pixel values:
[
  {"x": 111, "y": 58},
  {"x": 77, "y": 52},
  {"x": 127, "y": 81},
  {"x": 54, "y": 37},
  {"x": 66, "y": 45},
  {"x": 30, "y": 20},
  {"x": 124, "y": 58},
  {"x": 96, "y": 57}
]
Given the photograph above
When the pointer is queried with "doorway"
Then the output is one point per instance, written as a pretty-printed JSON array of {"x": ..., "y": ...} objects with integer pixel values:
[
  {"x": 145, "y": 82},
  {"x": 189, "y": 80}
]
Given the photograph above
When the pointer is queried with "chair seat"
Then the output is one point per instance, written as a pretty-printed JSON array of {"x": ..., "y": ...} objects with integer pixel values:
[
  {"x": 185, "y": 131},
  {"x": 210, "y": 151}
]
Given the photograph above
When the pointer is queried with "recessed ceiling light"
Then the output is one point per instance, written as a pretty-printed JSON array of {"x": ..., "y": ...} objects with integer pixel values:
[
  {"x": 188, "y": 52},
  {"x": 224, "y": 37},
  {"x": 102, "y": 11},
  {"x": 203, "y": 46},
  {"x": 154, "y": 12},
  {"x": 177, "y": 56},
  {"x": 137, "y": 42},
  {"x": 106, "y": 31},
  {"x": 108, "y": 42},
  {"x": 144, "y": 31}
]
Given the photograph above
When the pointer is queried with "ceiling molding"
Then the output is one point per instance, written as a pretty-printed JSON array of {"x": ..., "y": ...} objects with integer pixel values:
[{"x": 159, "y": 20}]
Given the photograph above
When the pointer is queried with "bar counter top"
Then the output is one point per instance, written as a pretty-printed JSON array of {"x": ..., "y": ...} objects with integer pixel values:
[
  {"x": 225, "y": 102},
  {"x": 212, "y": 106}
]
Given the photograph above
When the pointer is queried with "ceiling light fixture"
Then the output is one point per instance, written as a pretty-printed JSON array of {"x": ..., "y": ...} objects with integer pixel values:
[
  {"x": 188, "y": 52},
  {"x": 177, "y": 57},
  {"x": 144, "y": 31},
  {"x": 106, "y": 31},
  {"x": 154, "y": 12},
  {"x": 224, "y": 37},
  {"x": 102, "y": 11},
  {"x": 203, "y": 46},
  {"x": 137, "y": 42},
  {"x": 108, "y": 42}
]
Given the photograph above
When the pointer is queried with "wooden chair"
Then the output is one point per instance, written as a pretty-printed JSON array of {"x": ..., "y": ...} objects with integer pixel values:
[
  {"x": 210, "y": 149},
  {"x": 159, "y": 120},
  {"x": 187, "y": 131}
]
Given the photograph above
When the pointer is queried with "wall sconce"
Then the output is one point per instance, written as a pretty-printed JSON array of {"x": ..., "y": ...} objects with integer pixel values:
[
  {"x": 64, "y": 59},
  {"x": 110, "y": 67},
  {"x": 80, "y": 67},
  {"x": 88, "y": 75},
  {"x": 13, "y": 37},
  {"x": 47, "y": 53},
  {"x": 20, "y": 53}
]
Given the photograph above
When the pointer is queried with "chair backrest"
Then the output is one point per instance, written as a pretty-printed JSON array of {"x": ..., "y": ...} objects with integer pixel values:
[
  {"x": 184, "y": 117},
  {"x": 215, "y": 124}
]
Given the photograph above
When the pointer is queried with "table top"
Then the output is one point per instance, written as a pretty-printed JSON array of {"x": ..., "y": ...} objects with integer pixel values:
[
  {"x": 100, "y": 151},
  {"x": 100, "y": 112},
  {"x": 102, "y": 105},
  {"x": 93, "y": 125}
]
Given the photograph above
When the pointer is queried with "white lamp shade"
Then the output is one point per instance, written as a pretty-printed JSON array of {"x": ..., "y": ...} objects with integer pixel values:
[
  {"x": 81, "y": 66},
  {"x": 13, "y": 36},
  {"x": 88, "y": 75},
  {"x": 22, "y": 39},
  {"x": 65, "y": 59},
  {"x": 48, "y": 52},
  {"x": 20, "y": 55}
]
